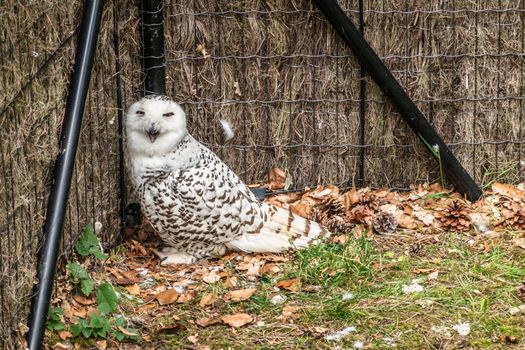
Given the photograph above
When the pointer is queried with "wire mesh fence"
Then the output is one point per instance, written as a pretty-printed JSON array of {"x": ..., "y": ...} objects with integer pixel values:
[
  {"x": 296, "y": 95},
  {"x": 36, "y": 58},
  {"x": 277, "y": 71}
]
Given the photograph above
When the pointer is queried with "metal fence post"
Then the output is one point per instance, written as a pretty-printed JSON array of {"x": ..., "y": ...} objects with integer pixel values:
[
  {"x": 153, "y": 58},
  {"x": 64, "y": 164}
]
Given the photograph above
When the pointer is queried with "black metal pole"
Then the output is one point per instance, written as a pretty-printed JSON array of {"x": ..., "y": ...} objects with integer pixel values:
[
  {"x": 153, "y": 58},
  {"x": 457, "y": 175},
  {"x": 56, "y": 206}
]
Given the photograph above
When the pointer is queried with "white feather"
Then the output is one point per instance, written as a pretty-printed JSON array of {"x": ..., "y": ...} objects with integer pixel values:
[{"x": 227, "y": 130}]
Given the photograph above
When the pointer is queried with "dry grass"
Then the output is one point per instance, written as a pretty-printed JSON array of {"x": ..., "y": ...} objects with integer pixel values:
[{"x": 287, "y": 97}]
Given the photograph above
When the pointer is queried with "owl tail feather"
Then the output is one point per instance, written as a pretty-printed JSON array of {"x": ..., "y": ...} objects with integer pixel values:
[{"x": 281, "y": 231}]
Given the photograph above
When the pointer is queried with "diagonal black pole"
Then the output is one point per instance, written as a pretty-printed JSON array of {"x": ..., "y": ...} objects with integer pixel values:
[
  {"x": 56, "y": 205},
  {"x": 368, "y": 59}
]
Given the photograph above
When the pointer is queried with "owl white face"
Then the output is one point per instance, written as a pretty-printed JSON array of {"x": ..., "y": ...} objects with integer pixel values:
[{"x": 154, "y": 125}]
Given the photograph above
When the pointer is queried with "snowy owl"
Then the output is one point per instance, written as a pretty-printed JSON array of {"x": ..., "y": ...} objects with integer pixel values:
[{"x": 195, "y": 202}]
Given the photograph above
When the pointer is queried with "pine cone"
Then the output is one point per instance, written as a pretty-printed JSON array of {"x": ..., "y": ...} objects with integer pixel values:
[
  {"x": 512, "y": 212},
  {"x": 363, "y": 212},
  {"x": 454, "y": 216},
  {"x": 331, "y": 214},
  {"x": 385, "y": 223}
]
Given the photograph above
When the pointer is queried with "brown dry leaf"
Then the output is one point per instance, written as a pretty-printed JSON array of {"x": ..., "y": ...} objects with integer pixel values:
[
  {"x": 116, "y": 273},
  {"x": 406, "y": 221},
  {"x": 102, "y": 344},
  {"x": 130, "y": 274},
  {"x": 239, "y": 295},
  {"x": 134, "y": 289},
  {"x": 211, "y": 278},
  {"x": 185, "y": 298},
  {"x": 276, "y": 179},
  {"x": 252, "y": 265},
  {"x": 61, "y": 346},
  {"x": 237, "y": 320},
  {"x": 64, "y": 335},
  {"x": 270, "y": 268},
  {"x": 290, "y": 285},
  {"x": 301, "y": 209},
  {"x": 231, "y": 282},
  {"x": 205, "y": 321},
  {"x": 207, "y": 299},
  {"x": 507, "y": 190},
  {"x": 194, "y": 339},
  {"x": 137, "y": 247},
  {"x": 289, "y": 312},
  {"x": 519, "y": 242},
  {"x": 350, "y": 198},
  {"x": 487, "y": 246},
  {"x": 126, "y": 332},
  {"x": 274, "y": 258},
  {"x": 83, "y": 300},
  {"x": 168, "y": 297},
  {"x": 171, "y": 329},
  {"x": 341, "y": 239}
]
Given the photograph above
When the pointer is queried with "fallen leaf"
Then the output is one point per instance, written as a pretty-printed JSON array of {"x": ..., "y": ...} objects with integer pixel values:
[
  {"x": 520, "y": 242},
  {"x": 276, "y": 179},
  {"x": 433, "y": 275},
  {"x": 301, "y": 209},
  {"x": 211, "y": 278},
  {"x": 102, "y": 344},
  {"x": 350, "y": 198},
  {"x": 237, "y": 320},
  {"x": 208, "y": 299},
  {"x": 64, "y": 335},
  {"x": 270, "y": 268},
  {"x": 168, "y": 297},
  {"x": 290, "y": 285},
  {"x": 507, "y": 190},
  {"x": 406, "y": 221},
  {"x": 133, "y": 289},
  {"x": 289, "y": 312},
  {"x": 239, "y": 295},
  {"x": 61, "y": 346},
  {"x": 205, "y": 321},
  {"x": 340, "y": 239},
  {"x": 517, "y": 310},
  {"x": 185, "y": 298},
  {"x": 83, "y": 300},
  {"x": 231, "y": 282},
  {"x": 126, "y": 332},
  {"x": 171, "y": 329},
  {"x": 194, "y": 339}
]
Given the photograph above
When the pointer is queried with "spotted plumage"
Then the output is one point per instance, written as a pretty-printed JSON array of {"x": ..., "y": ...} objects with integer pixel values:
[{"x": 198, "y": 205}]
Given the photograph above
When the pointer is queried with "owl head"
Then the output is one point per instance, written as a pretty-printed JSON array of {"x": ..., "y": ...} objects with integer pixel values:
[{"x": 155, "y": 125}]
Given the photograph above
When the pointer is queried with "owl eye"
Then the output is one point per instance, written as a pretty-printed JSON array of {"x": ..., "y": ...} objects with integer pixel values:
[
  {"x": 140, "y": 113},
  {"x": 169, "y": 114}
]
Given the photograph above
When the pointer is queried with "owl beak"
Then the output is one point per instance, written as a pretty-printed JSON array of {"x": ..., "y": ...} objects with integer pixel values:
[{"x": 153, "y": 134}]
